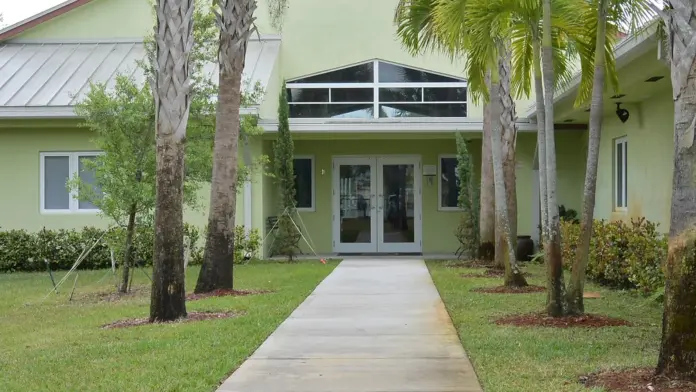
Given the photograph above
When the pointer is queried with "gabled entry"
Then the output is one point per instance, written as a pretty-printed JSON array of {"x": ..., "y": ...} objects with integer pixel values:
[{"x": 377, "y": 204}]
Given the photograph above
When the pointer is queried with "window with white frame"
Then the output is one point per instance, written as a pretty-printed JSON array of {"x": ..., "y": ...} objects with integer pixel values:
[
  {"x": 57, "y": 168},
  {"x": 377, "y": 89},
  {"x": 304, "y": 182},
  {"x": 620, "y": 173},
  {"x": 449, "y": 183}
]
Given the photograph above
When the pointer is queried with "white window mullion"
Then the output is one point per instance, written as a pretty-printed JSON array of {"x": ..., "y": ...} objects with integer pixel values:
[
  {"x": 376, "y": 89},
  {"x": 625, "y": 173},
  {"x": 74, "y": 171}
]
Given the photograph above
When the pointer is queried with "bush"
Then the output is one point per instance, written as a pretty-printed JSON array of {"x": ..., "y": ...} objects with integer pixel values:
[
  {"x": 621, "y": 255},
  {"x": 246, "y": 246},
  {"x": 21, "y": 250}
]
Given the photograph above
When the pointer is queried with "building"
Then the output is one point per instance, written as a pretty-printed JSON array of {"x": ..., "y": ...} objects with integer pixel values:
[{"x": 373, "y": 126}]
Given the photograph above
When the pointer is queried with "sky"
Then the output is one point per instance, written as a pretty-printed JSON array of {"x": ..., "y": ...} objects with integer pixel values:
[{"x": 14, "y": 11}]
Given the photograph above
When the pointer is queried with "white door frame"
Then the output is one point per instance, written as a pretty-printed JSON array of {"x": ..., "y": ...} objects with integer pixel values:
[{"x": 376, "y": 207}]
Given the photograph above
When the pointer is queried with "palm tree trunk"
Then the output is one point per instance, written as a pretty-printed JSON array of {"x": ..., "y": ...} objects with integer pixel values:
[
  {"x": 541, "y": 141},
  {"x": 128, "y": 251},
  {"x": 555, "y": 306},
  {"x": 503, "y": 243},
  {"x": 678, "y": 347},
  {"x": 487, "y": 199},
  {"x": 235, "y": 23},
  {"x": 509, "y": 140},
  {"x": 171, "y": 89},
  {"x": 576, "y": 286}
]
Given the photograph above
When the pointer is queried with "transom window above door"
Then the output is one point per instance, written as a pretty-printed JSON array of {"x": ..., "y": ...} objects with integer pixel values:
[{"x": 377, "y": 89}]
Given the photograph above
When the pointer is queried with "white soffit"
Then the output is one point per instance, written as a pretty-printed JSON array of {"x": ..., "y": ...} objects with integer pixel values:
[{"x": 44, "y": 80}]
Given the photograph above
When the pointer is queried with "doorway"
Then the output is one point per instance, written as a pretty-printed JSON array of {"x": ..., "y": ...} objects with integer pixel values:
[{"x": 377, "y": 204}]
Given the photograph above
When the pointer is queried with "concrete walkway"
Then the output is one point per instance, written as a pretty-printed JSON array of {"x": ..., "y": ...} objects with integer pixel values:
[{"x": 371, "y": 325}]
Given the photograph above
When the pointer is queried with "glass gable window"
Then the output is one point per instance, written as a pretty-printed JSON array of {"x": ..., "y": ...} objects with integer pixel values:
[{"x": 377, "y": 89}]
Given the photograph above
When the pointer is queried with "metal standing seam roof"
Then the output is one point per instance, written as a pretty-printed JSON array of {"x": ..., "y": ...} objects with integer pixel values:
[{"x": 57, "y": 75}]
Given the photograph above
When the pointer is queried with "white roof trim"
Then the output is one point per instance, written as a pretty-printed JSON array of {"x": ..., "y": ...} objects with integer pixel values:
[
  {"x": 405, "y": 125},
  {"x": 622, "y": 52},
  {"x": 67, "y": 112}
]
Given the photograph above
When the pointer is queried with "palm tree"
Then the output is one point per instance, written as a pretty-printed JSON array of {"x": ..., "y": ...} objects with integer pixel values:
[
  {"x": 603, "y": 18},
  {"x": 235, "y": 18},
  {"x": 678, "y": 347},
  {"x": 171, "y": 86}
]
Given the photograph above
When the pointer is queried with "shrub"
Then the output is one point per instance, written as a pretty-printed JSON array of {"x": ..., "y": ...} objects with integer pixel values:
[
  {"x": 246, "y": 245},
  {"x": 621, "y": 255},
  {"x": 21, "y": 250}
]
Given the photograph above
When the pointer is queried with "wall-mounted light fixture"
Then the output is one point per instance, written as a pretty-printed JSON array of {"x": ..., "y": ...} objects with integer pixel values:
[{"x": 622, "y": 113}]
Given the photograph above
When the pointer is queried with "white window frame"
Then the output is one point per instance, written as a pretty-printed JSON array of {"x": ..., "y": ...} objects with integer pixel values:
[
  {"x": 440, "y": 207},
  {"x": 620, "y": 205},
  {"x": 314, "y": 182},
  {"x": 73, "y": 165},
  {"x": 376, "y": 85}
]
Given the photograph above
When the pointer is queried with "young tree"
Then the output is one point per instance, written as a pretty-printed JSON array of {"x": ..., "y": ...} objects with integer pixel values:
[
  {"x": 171, "y": 87},
  {"x": 468, "y": 198},
  {"x": 123, "y": 123},
  {"x": 235, "y": 19},
  {"x": 287, "y": 237},
  {"x": 678, "y": 347}
]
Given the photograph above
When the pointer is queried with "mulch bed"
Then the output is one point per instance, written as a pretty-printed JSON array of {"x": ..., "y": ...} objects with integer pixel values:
[
  {"x": 543, "y": 320},
  {"x": 225, "y": 293},
  {"x": 510, "y": 290},
  {"x": 192, "y": 316},
  {"x": 470, "y": 264},
  {"x": 490, "y": 273},
  {"x": 635, "y": 380}
]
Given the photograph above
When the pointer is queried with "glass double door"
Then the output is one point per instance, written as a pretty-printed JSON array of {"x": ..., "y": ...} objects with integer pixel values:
[{"x": 377, "y": 205}]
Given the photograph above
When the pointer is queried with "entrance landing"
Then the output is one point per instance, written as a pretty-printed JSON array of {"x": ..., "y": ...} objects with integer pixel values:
[{"x": 371, "y": 325}]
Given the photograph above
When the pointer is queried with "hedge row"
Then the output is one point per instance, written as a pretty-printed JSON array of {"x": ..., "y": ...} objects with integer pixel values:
[
  {"x": 21, "y": 250},
  {"x": 622, "y": 255}
]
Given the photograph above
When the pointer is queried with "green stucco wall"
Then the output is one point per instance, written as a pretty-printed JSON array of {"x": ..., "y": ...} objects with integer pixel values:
[
  {"x": 650, "y": 132},
  {"x": 19, "y": 172},
  {"x": 98, "y": 19},
  {"x": 438, "y": 226}
]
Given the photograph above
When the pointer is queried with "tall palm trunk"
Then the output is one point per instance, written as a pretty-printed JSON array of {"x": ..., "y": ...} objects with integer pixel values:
[
  {"x": 504, "y": 248},
  {"x": 235, "y": 22},
  {"x": 555, "y": 306},
  {"x": 541, "y": 140},
  {"x": 576, "y": 286},
  {"x": 487, "y": 200},
  {"x": 508, "y": 118},
  {"x": 172, "y": 89},
  {"x": 678, "y": 348}
]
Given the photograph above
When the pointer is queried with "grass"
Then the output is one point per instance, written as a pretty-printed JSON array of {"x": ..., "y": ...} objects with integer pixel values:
[
  {"x": 58, "y": 345},
  {"x": 518, "y": 359}
]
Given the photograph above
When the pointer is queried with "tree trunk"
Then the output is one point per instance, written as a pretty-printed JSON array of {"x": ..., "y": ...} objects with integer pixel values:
[
  {"x": 487, "y": 199},
  {"x": 509, "y": 140},
  {"x": 508, "y": 133},
  {"x": 576, "y": 286},
  {"x": 541, "y": 140},
  {"x": 556, "y": 296},
  {"x": 678, "y": 347},
  {"x": 235, "y": 23},
  {"x": 128, "y": 251},
  {"x": 171, "y": 89}
]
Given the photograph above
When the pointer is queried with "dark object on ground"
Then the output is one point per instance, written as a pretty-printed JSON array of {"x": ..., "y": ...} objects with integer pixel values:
[
  {"x": 510, "y": 290},
  {"x": 192, "y": 316},
  {"x": 543, "y": 320},
  {"x": 635, "y": 380},
  {"x": 525, "y": 248},
  {"x": 225, "y": 293}
]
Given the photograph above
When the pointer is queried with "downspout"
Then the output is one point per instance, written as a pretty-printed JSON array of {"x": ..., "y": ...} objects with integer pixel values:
[{"x": 246, "y": 154}]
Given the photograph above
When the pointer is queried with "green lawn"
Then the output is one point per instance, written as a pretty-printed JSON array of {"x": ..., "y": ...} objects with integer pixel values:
[
  {"x": 544, "y": 359},
  {"x": 59, "y": 346}
]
